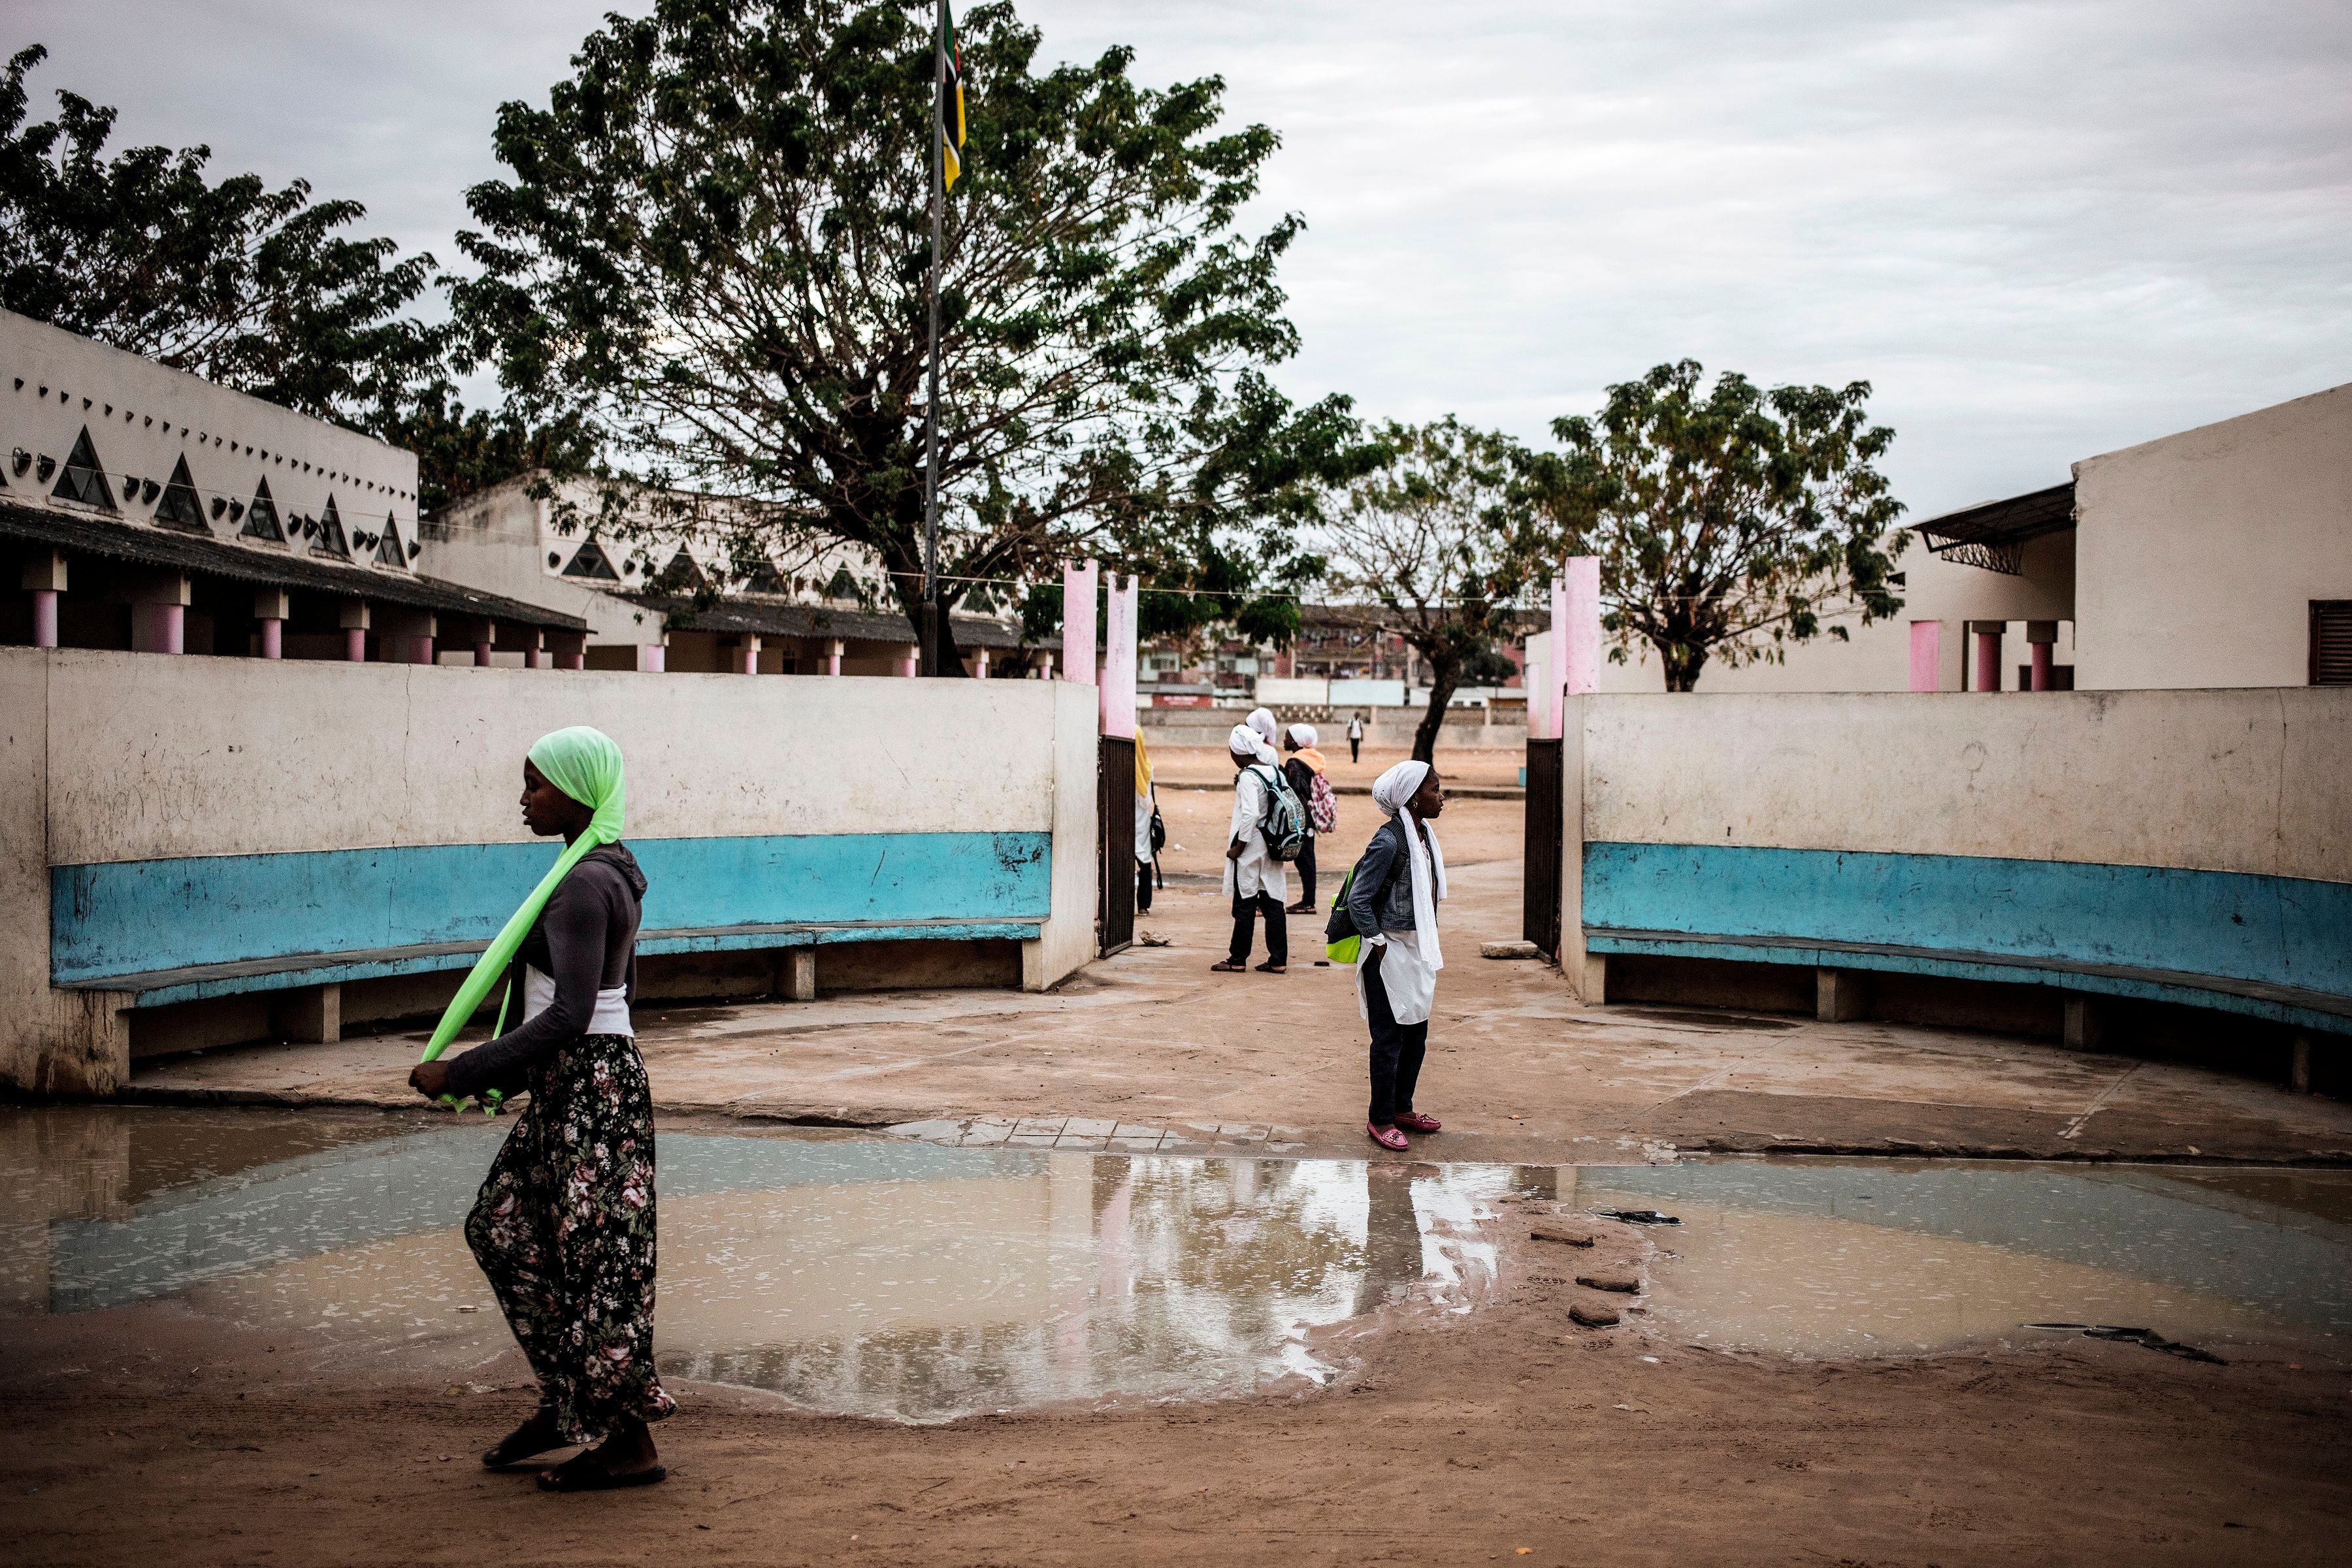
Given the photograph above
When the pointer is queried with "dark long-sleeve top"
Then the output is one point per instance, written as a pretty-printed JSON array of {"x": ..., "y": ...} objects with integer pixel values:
[
  {"x": 585, "y": 941},
  {"x": 1380, "y": 891}
]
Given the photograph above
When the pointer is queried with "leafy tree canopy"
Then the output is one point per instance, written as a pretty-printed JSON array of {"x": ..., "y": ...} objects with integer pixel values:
[
  {"x": 1436, "y": 547},
  {"x": 712, "y": 251},
  {"x": 1731, "y": 522},
  {"x": 257, "y": 289}
]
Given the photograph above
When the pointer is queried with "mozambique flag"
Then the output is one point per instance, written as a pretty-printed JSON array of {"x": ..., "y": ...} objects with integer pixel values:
[{"x": 950, "y": 99}]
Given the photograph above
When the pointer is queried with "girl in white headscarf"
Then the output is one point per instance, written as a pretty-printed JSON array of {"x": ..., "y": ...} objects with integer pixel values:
[
  {"x": 1391, "y": 903},
  {"x": 1255, "y": 881}
]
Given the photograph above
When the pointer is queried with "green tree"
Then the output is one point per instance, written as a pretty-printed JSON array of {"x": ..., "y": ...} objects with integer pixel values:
[
  {"x": 257, "y": 289},
  {"x": 713, "y": 250},
  {"x": 1436, "y": 547},
  {"x": 1731, "y": 522}
]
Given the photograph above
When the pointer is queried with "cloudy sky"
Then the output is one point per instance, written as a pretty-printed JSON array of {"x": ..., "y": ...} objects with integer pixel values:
[{"x": 2040, "y": 230}]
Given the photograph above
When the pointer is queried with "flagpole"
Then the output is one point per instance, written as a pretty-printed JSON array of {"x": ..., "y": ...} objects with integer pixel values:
[{"x": 928, "y": 626}]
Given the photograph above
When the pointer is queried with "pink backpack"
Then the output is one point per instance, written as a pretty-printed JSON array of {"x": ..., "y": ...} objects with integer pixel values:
[{"x": 1323, "y": 806}]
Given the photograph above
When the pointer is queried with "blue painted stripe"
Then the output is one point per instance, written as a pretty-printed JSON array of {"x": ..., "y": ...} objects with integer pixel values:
[
  {"x": 2284, "y": 931},
  {"x": 138, "y": 917}
]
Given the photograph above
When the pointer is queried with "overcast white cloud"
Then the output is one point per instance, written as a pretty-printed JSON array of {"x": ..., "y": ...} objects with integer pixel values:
[{"x": 2042, "y": 230}]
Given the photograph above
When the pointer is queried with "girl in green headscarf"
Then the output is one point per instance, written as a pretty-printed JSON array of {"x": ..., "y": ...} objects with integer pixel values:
[{"x": 564, "y": 1223}]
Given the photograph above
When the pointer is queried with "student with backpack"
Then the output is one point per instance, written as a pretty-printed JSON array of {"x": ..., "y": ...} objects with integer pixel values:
[
  {"x": 1269, "y": 827},
  {"x": 1303, "y": 771},
  {"x": 1385, "y": 921}
]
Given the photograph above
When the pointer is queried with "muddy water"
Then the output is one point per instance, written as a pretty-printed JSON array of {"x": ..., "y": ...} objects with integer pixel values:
[
  {"x": 871, "y": 1277},
  {"x": 1828, "y": 1257}
]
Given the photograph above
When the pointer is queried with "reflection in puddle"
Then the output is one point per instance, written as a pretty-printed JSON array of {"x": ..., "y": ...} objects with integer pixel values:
[
  {"x": 869, "y": 1277},
  {"x": 1827, "y": 1257}
]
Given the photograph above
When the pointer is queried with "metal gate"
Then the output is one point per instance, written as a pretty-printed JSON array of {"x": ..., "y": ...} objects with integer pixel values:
[
  {"x": 1540, "y": 918},
  {"x": 1115, "y": 822}
]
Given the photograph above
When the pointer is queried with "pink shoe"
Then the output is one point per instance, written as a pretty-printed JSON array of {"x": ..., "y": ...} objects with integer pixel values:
[
  {"x": 1388, "y": 1138},
  {"x": 1414, "y": 1122}
]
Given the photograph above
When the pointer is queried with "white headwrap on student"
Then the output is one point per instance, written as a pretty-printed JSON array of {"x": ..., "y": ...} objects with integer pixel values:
[
  {"x": 1245, "y": 741},
  {"x": 1261, "y": 720},
  {"x": 1392, "y": 792},
  {"x": 1304, "y": 735}
]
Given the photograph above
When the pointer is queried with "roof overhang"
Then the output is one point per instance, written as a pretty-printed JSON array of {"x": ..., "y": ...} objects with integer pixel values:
[
  {"x": 210, "y": 557},
  {"x": 1992, "y": 534}
]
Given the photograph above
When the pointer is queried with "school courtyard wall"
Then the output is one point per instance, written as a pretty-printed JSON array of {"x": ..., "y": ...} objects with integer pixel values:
[
  {"x": 2175, "y": 847},
  {"x": 189, "y": 815}
]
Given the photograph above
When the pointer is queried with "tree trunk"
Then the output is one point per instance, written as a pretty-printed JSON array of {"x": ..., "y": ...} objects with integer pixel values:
[
  {"x": 1444, "y": 675},
  {"x": 1682, "y": 672}
]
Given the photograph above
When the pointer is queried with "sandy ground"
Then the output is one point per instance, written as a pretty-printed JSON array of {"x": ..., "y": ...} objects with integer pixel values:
[{"x": 1504, "y": 1436}]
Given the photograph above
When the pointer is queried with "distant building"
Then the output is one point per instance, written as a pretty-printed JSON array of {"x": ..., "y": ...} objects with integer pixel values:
[
  {"x": 144, "y": 508},
  {"x": 664, "y": 593}
]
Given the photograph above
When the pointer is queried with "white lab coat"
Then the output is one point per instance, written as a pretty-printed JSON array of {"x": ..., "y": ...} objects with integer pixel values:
[{"x": 1256, "y": 872}]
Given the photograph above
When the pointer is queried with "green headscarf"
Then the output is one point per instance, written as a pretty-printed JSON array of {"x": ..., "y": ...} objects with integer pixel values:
[{"x": 586, "y": 764}]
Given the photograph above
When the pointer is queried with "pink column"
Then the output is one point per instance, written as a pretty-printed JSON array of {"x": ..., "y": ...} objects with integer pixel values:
[
  {"x": 482, "y": 654},
  {"x": 1927, "y": 656},
  {"x": 534, "y": 659},
  {"x": 160, "y": 628},
  {"x": 273, "y": 637},
  {"x": 653, "y": 657},
  {"x": 420, "y": 649},
  {"x": 45, "y": 617},
  {"x": 1579, "y": 656},
  {"x": 2041, "y": 665},
  {"x": 833, "y": 657},
  {"x": 1118, "y": 699},
  {"x": 355, "y": 644},
  {"x": 576, "y": 659},
  {"x": 911, "y": 663},
  {"x": 749, "y": 662},
  {"x": 1078, "y": 584},
  {"x": 1988, "y": 655}
]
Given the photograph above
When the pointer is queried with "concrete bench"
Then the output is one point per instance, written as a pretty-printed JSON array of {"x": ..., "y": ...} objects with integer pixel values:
[{"x": 309, "y": 1008}]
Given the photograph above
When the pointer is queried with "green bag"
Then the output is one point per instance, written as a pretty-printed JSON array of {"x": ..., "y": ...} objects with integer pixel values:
[{"x": 1348, "y": 949}]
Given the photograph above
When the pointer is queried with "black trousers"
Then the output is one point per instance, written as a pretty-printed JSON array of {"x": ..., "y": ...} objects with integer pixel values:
[
  {"x": 1278, "y": 928},
  {"x": 1397, "y": 1049},
  {"x": 1305, "y": 866},
  {"x": 1143, "y": 888},
  {"x": 1355, "y": 748}
]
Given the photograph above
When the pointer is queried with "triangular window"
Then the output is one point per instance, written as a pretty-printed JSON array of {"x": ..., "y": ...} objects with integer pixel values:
[
  {"x": 84, "y": 480},
  {"x": 590, "y": 560},
  {"x": 331, "y": 540},
  {"x": 261, "y": 518},
  {"x": 181, "y": 506},
  {"x": 682, "y": 575},
  {"x": 766, "y": 579},
  {"x": 388, "y": 552}
]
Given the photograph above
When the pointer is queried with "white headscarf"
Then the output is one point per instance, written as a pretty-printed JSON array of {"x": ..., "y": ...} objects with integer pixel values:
[
  {"x": 1245, "y": 741},
  {"x": 1393, "y": 793},
  {"x": 1261, "y": 720},
  {"x": 1302, "y": 736}
]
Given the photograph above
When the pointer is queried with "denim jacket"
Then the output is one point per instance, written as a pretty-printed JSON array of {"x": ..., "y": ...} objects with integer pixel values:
[{"x": 1380, "y": 897}]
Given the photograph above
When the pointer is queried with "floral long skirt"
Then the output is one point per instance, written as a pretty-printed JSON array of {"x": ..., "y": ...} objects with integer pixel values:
[{"x": 564, "y": 1229}]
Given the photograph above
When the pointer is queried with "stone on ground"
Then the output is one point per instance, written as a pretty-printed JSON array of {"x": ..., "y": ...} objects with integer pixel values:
[{"x": 1625, "y": 1282}]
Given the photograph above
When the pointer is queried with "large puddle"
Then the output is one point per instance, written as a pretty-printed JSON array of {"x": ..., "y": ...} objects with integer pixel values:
[
  {"x": 870, "y": 1277},
  {"x": 890, "y": 1278},
  {"x": 1842, "y": 1257}
]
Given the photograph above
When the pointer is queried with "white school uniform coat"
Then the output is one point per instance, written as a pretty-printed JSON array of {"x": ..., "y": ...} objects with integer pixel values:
[{"x": 1256, "y": 872}]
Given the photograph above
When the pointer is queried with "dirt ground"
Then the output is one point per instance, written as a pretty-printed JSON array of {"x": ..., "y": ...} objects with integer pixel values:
[
  {"x": 1505, "y": 1434},
  {"x": 147, "y": 1436}
]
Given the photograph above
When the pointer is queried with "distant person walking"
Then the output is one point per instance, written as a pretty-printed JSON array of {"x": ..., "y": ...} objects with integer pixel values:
[
  {"x": 564, "y": 1223},
  {"x": 1302, "y": 769},
  {"x": 1258, "y": 883},
  {"x": 1356, "y": 738},
  {"x": 1393, "y": 899},
  {"x": 1147, "y": 818}
]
